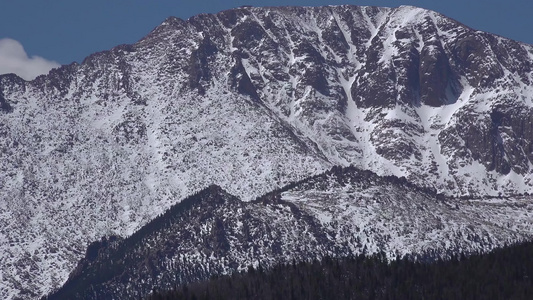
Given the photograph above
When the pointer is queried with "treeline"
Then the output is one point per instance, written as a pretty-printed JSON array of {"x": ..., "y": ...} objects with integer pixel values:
[{"x": 503, "y": 274}]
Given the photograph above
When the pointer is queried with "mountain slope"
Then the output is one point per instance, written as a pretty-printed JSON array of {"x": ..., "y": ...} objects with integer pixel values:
[
  {"x": 252, "y": 99},
  {"x": 387, "y": 89},
  {"x": 208, "y": 233},
  {"x": 342, "y": 212}
]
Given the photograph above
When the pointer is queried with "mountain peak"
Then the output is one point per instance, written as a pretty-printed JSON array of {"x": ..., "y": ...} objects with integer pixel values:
[
  {"x": 253, "y": 99},
  {"x": 172, "y": 21}
]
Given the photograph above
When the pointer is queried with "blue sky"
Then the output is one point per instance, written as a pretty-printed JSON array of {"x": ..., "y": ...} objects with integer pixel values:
[{"x": 69, "y": 30}]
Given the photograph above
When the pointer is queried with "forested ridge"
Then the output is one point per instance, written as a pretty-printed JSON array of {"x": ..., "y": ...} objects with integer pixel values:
[{"x": 505, "y": 273}]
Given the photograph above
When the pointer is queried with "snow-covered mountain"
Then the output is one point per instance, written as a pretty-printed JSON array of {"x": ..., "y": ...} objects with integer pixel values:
[
  {"x": 344, "y": 211},
  {"x": 251, "y": 99}
]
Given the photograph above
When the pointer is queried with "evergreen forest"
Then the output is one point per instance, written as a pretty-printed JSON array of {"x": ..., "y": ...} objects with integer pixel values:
[{"x": 505, "y": 273}]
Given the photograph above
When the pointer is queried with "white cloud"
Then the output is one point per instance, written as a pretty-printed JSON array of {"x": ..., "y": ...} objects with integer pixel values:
[{"x": 13, "y": 59}]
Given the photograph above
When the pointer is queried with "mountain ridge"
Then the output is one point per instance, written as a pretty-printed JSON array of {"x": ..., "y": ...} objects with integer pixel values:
[{"x": 213, "y": 233}]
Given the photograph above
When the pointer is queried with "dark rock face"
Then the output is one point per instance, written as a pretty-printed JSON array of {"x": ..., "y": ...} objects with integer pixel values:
[
  {"x": 8, "y": 83},
  {"x": 471, "y": 52},
  {"x": 4, "y": 105},
  {"x": 247, "y": 35},
  {"x": 241, "y": 80},
  {"x": 500, "y": 142},
  {"x": 199, "y": 65},
  {"x": 439, "y": 85}
]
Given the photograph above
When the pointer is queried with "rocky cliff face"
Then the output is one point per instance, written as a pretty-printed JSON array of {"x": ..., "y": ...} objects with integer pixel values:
[{"x": 252, "y": 99}]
